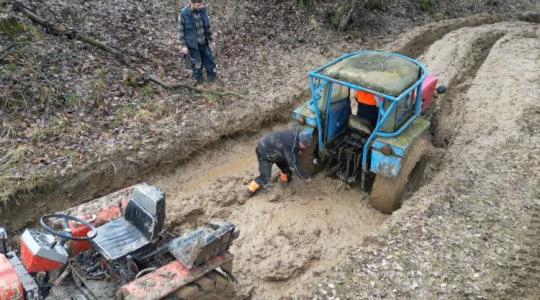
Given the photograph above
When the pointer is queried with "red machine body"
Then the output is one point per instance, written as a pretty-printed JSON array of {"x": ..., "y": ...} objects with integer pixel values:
[
  {"x": 11, "y": 287},
  {"x": 40, "y": 253},
  {"x": 103, "y": 216},
  {"x": 165, "y": 280},
  {"x": 78, "y": 247},
  {"x": 428, "y": 88},
  {"x": 130, "y": 246}
]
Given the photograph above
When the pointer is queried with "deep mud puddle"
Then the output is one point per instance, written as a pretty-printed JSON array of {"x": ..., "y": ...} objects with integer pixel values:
[{"x": 289, "y": 235}]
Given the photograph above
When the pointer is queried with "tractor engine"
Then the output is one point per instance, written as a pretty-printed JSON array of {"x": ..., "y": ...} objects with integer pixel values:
[{"x": 345, "y": 152}]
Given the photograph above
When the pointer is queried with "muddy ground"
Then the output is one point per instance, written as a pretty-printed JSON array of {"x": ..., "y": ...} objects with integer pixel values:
[
  {"x": 289, "y": 235},
  {"x": 470, "y": 231}
]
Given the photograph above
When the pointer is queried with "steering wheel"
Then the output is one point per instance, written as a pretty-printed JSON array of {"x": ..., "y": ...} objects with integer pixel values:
[{"x": 90, "y": 236}]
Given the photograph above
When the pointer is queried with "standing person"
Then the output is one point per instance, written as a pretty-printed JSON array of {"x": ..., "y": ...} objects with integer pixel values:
[
  {"x": 196, "y": 40},
  {"x": 282, "y": 148}
]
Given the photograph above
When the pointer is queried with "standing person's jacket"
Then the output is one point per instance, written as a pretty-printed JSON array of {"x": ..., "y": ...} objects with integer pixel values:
[
  {"x": 194, "y": 28},
  {"x": 282, "y": 146}
]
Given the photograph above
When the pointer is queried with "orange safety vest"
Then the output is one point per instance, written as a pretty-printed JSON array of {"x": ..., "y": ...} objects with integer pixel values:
[{"x": 366, "y": 98}]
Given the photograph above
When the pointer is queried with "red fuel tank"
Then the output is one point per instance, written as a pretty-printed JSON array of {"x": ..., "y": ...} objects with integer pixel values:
[{"x": 428, "y": 88}]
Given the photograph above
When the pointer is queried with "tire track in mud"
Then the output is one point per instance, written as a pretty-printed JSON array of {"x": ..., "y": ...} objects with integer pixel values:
[
  {"x": 416, "y": 42},
  {"x": 450, "y": 105}
]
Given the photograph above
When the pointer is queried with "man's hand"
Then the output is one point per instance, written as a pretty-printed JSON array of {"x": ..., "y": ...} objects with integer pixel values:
[
  {"x": 184, "y": 50},
  {"x": 212, "y": 46}
]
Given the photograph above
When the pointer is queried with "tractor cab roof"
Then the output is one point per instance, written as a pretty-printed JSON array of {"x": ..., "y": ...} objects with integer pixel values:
[{"x": 386, "y": 74}]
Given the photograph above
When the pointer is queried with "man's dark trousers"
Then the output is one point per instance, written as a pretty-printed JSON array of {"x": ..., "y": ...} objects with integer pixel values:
[
  {"x": 265, "y": 168},
  {"x": 202, "y": 57}
]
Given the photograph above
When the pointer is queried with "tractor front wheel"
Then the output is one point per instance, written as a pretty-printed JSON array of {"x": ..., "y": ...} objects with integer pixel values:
[{"x": 386, "y": 194}]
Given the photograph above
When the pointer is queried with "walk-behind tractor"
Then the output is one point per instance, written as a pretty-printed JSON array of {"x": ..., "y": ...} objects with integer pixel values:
[
  {"x": 117, "y": 247},
  {"x": 379, "y": 145}
]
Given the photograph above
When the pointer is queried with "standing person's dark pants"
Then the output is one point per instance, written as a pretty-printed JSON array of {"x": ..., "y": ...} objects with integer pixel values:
[
  {"x": 265, "y": 168},
  {"x": 202, "y": 57}
]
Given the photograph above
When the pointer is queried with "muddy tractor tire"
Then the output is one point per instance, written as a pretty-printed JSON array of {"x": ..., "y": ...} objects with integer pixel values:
[
  {"x": 386, "y": 193},
  {"x": 213, "y": 285}
]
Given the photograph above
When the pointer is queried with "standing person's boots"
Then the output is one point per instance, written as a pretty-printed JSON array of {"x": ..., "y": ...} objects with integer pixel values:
[{"x": 198, "y": 77}]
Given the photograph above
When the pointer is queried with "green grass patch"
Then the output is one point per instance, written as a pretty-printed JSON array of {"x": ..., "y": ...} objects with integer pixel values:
[
  {"x": 147, "y": 91},
  {"x": 143, "y": 116},
  {"x": 10, "y": 186},
  {"x": 11, "y": 27},
  {"x": 124, "y": 113},
  {"x": 425, "y": 5},
  {"x": 213, "y": 98},
  {"x": 56, "y": 128},
  {"x": 11, "y": 67},
  {"x": 71, "y": 100},
  {"x": 15, "y": 156}
]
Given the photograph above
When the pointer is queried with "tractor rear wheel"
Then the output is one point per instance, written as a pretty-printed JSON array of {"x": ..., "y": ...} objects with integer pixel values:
[
  {"x": 386, "y": 194},
  {"x": 213, "y": 285}
]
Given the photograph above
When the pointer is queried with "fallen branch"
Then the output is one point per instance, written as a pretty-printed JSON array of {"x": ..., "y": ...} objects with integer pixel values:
[
  {"x": 6, "y": 51},
  {"x": 60, "y": 29},
  {"x": 14, "y": 178},
  {"x": 176, "y": 85}
]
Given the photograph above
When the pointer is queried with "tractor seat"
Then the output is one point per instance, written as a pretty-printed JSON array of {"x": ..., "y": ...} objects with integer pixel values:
[
  {"x": 141, "y": 224},
  {"x": 360, "y": 124}
]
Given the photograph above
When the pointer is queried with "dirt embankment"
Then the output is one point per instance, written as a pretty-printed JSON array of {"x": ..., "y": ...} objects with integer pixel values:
[{"x": 472, "y": 230}]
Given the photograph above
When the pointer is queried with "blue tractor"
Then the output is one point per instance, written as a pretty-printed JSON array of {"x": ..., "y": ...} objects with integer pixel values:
[{"x": 379, "y": 144}]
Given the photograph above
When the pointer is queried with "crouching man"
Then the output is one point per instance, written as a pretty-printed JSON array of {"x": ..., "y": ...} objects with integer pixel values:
[{"x": 282, "y": 148}]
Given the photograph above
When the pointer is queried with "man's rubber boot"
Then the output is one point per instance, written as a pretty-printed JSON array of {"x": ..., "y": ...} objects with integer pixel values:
[
  {"x": 284, "y": 178},
  {"x": 252, "y": 188}
]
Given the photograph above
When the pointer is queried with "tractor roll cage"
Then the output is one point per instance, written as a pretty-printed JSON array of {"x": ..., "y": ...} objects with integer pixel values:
[{"x": 379, "y": 97}]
